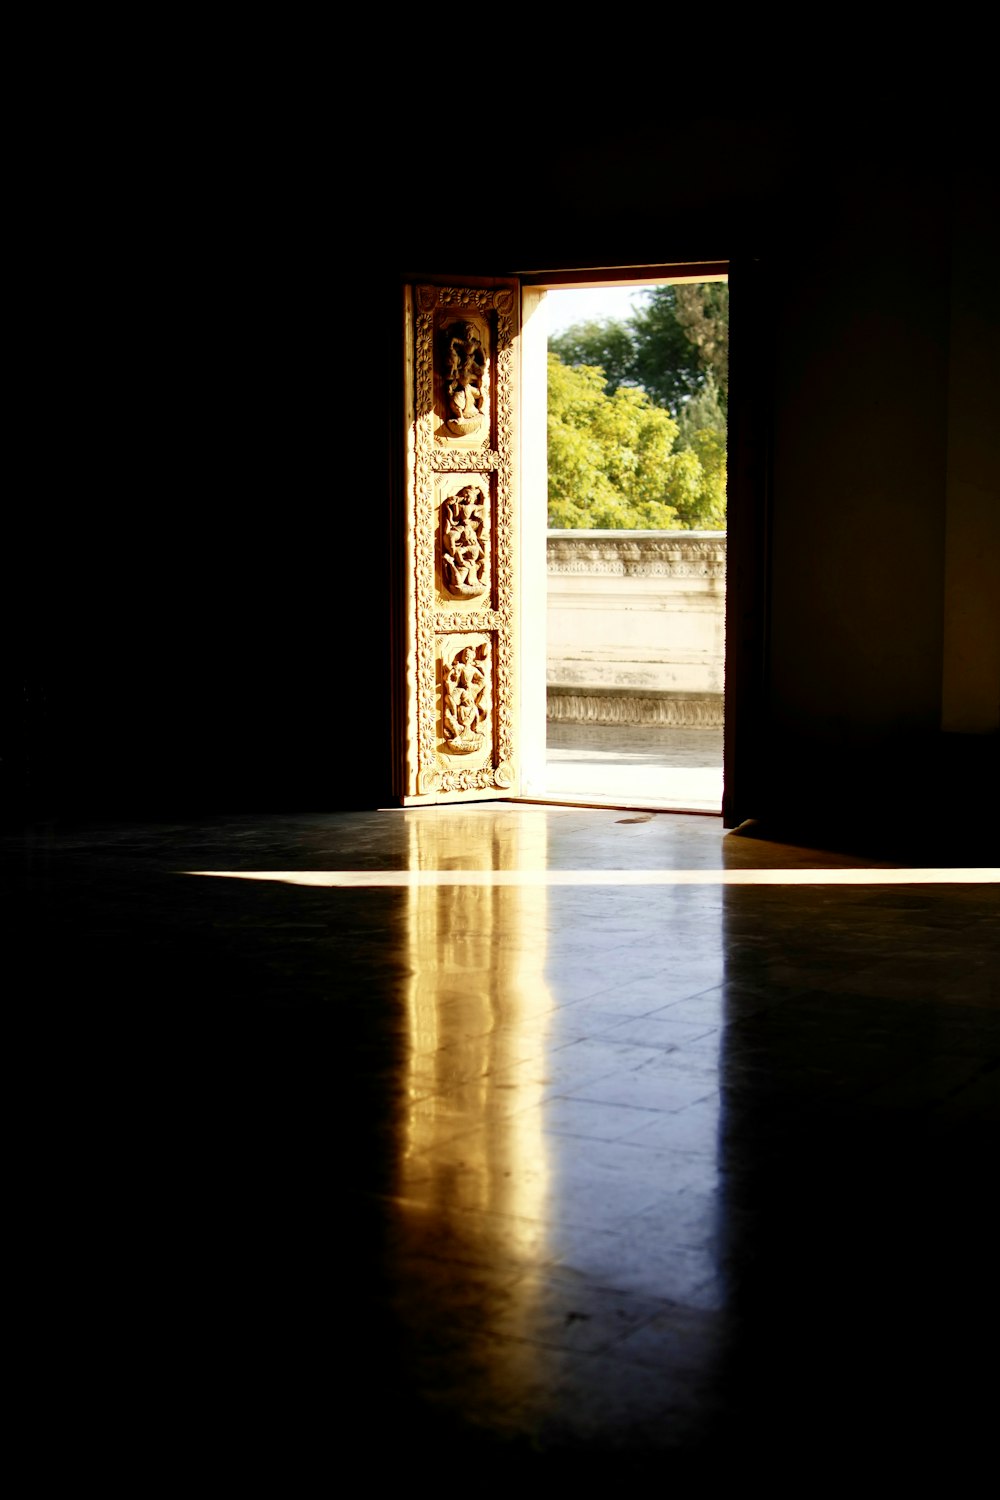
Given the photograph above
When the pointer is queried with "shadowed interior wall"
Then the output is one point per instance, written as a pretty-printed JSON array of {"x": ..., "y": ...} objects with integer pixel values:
[{"x": 860, "y": 447}]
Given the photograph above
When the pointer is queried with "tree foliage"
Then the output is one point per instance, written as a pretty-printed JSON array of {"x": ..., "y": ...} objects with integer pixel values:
[
  {"x": 702, "y": 410},
  {"x": 637, "y": 414},
  {"x": 674, "y": 343},
  {"x": 702, "y": 310},
  {"x": 603, "y": 342},
  {"x": 613, "y": 462}
]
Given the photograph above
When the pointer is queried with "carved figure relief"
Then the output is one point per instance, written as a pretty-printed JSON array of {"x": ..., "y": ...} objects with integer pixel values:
[
  {"x": 465, "y": 379},
  {"x": 464, "y": 543},
  {"x": 465, "y": 708}
]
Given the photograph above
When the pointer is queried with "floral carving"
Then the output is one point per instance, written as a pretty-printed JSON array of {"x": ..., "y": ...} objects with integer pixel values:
[
  {"x": 485, "y": 458},
  {"x": 470, "y": 619},
  {"x": 465, "y": 297}
]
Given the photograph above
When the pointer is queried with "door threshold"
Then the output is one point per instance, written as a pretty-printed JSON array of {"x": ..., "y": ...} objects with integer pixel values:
[{"x": 615, "y": 804}]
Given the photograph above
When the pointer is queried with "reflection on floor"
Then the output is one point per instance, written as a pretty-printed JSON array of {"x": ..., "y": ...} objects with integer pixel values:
[{"x": 442, "y": 1168}]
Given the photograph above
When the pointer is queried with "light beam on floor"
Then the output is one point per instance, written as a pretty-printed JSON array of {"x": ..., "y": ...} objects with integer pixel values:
[{"x": 406, "y": 879}]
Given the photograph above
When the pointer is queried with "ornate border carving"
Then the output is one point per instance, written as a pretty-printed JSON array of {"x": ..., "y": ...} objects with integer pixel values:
[
  {"x": 676, "y": 710},
  {"x": 631, "y": 554},
  {"x": 470, "y": 619},
  {"x": 432, "y": 456},
  {"x": 484, "y": 460}
]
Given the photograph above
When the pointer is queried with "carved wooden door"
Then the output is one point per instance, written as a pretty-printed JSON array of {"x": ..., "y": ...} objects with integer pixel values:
[{"x": 458, "y": 681}]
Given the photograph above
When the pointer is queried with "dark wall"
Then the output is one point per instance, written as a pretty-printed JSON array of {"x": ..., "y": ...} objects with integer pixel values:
[
  {"x": 210, "y": 469},
  {"x": 203, "y": 551}
]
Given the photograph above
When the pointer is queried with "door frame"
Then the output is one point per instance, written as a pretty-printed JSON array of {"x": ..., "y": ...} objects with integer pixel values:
[
  {"x": 748, "y": 524},
  {"x": 747, "y": 517}
]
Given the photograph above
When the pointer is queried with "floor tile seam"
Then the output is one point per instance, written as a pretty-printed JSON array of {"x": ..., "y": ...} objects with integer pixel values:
[
  {"x": 710, "y": 989},
  {"x": 683, "y": 1060},
  {"x": 571, "y": 1135},
  {"x": 453, "y": 1131},
  {"x": 541, "y": 1092},
  {"x": 630, "y": 1133},
  {"x": 504, "y": 1089},
  {"x": 592, "y": 1041},
  {"x": 491, "y": 1284},
  {"x": 676, "y": 1199},
  {"x": 607, "y": 995},
  {"x": 563, "y": 981},
  {"x": 595, "y": 1036},
  {"x": 701, "y": 1245},
  {"x": 700, "y": 1295},
  {"x": 684, "y": 1366},
  {"x": 603, "y": 998},
  {"x": 570, "y": 1221},
  {"x": 546, "y": 1087},
  {"x": 563, "y": 1277},
  {"x": 709, "y": 1151},
  {"x": 677, "y": 1062},
  {"x": 700, "y": 1098},
  {"x": 674, "y": 1309},
  {"x": 508, "y": 1280},
  {"x": 448, "y": 1057},
  {"x": 648, "y": 1155},
  {"x": 699, "y": 1083},
  {"x": 493, "y": 1220},
  {"x": 643, "y": 1209},
  {"x": 458, "y": 1132},
  {"x": 551, "y": 1343},
  {"x": 664, "y": 1158},
  {"x": 422, "y": 1095},
  {"x": 678, "y": 1310},
  {"x": 496, "y": 1222},
  {"x": 700, "y": 1032},
  {"x": 485, "y": 1268},
  {"x": 653, "y": 1005},
  {"x": 546, "y": 1298}
]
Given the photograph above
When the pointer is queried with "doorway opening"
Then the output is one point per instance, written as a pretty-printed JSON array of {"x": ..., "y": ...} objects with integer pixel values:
[{"x": 630, "y": 478}]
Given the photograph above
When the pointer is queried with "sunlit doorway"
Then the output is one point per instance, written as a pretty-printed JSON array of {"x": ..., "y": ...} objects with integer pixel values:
[{"x": 634, "y": 560}]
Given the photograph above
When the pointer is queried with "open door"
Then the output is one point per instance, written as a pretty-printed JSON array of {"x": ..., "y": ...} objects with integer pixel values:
[
  {"x": 457, "y": 677},
  {"x": 469, "y": 666}
]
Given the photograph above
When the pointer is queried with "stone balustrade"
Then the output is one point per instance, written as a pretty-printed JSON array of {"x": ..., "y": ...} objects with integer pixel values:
[{"x": 636, "y": 627}]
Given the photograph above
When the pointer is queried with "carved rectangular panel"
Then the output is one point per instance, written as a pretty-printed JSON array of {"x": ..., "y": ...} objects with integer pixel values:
[{"x": 461, "y": 544}]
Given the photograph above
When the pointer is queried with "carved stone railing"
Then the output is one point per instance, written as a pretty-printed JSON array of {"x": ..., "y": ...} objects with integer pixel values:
[{"x": 636, "y": 627}]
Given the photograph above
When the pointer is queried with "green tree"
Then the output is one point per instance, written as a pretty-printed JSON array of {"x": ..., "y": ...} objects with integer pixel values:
[
  {"x": 704, "y": 410},
  {"x": 674, "y": 346},
  {"x": 664, "y": 360},
  {"x": 702, "y": 309},
  {"x": 709, "y": 510},
  {"x": 613, "y": 462},
  {"x": 603, "y": 342}
]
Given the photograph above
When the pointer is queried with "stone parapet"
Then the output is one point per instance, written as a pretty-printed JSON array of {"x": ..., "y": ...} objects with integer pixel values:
[
  {"x": 649, "y": 554},
  {"x": 636, "y": 627}
]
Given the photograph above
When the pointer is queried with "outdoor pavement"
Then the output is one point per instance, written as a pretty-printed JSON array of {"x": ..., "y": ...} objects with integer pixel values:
[{"x": 625, "y": 765}]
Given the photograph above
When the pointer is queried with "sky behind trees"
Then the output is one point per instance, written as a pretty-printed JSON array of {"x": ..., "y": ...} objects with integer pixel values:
[{"x": 582, "y": 305}]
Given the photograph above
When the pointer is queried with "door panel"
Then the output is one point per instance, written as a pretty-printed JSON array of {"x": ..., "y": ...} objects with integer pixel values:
[{"x": 461, "y": 518}]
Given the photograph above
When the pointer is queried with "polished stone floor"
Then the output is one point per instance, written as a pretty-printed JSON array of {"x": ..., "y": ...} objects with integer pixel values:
[{"x": 512, "y": 1137}]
